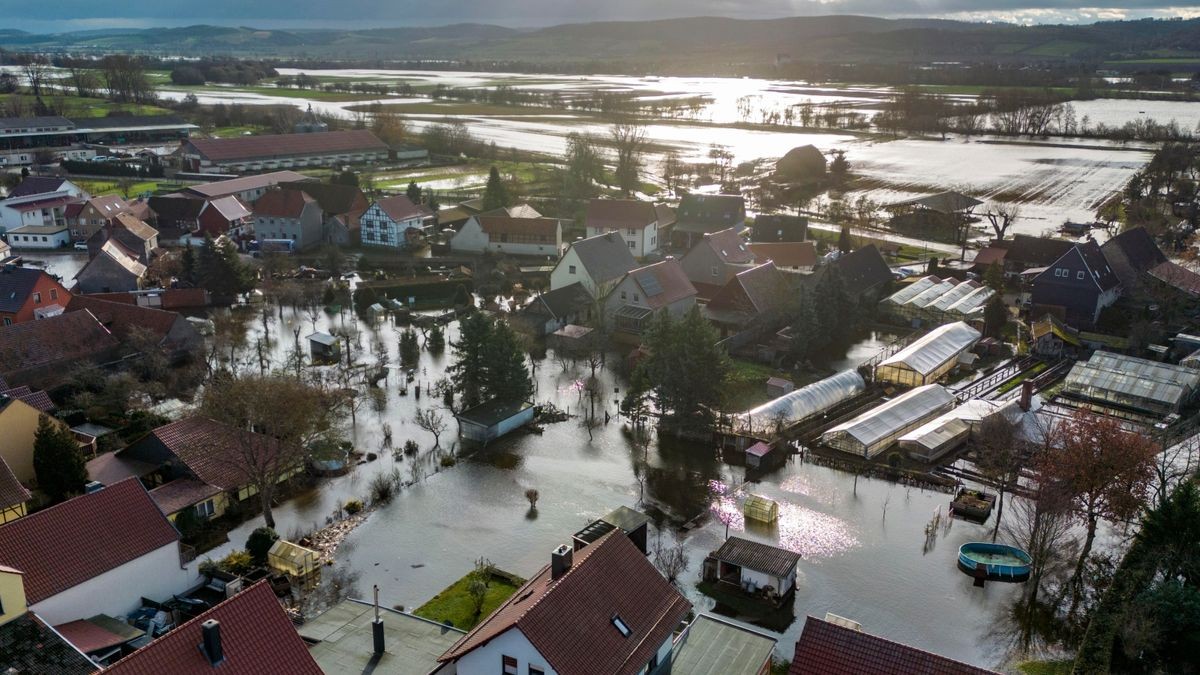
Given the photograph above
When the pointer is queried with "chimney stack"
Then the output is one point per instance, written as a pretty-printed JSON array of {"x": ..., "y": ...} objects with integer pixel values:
[
  {"x": 377, "y": 626},
  {"x": 560, "y": 561},
  {"x": 210, "y": 632},
  {"x": 1026, "y": 395}
]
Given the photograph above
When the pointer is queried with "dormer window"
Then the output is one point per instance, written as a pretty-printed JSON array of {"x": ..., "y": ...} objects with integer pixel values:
[{"x": 621, "y": 625}]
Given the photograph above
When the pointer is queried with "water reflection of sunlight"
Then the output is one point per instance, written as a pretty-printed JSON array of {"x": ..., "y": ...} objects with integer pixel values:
[{"x": 810, "y": 533}]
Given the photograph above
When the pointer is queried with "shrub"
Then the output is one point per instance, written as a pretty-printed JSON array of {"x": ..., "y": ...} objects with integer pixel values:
[
  {"x": 259, "y": 543},
  {"x": 448, "y": 461},
  {"x": 353, "y": 506},
  {"x": 383, "y": 486},
  {"x": 411, "y": 448},
  {"x": 237, "y": 562}
]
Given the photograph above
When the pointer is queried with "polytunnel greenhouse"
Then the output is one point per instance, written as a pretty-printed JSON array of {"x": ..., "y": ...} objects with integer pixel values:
[
  {"x": 879, "y": 428},
  {"x": 927, "y": 359},
  {"x": 800, "y": 404}
]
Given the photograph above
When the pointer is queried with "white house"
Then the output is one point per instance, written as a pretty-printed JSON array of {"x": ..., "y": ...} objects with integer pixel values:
[
  {"x": 753, "y": 566},
  {"x": 99, "y": 553},
  {"x": 40, "y": 236},
  {"x": 506, "y": 234},
  {"x": 388, "y": 220},
  {"x": 646, "y": 292},
  {"x": 35, "y": 210},
  {"x": 635, "y": 221},
  {"x": 596, "y": 262},
  {"x": 622, "y": 615}
]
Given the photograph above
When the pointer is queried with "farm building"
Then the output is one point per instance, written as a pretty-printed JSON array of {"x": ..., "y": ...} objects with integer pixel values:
[
  {"x": 944, "y": 433},
  {"x": 1127, "y": 381},
  {"x": 876, "y": 430},
  {"x": 491, "y": 420},
  {"x": 929, "y": 358},
  {"x": 800, "y": 404}
]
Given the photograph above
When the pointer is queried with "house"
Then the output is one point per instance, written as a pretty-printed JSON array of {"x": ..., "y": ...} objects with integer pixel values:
[
  {"x": 134, "y": 324},
  {"x": 509, "y": 235},
  {"x": 226, "y": 216},
  {"x": 292, "y": 215},
  {"x": 698, "y": 215},
  {"x": 5, "y": 252},
  {"x": 864, "y": 272},
  {"x": 177, "y": 214},
  {"x": 342, "y": 208},
  {"x": 387, "y": 221},
  {"x": 552, "y": 310},
  {"x": 18, "y": 427},
  {"x": 27, "y": 294},
  {"x": 44, "y": 185},
  {"x": 988, "y": 256},
  {"x": 216, "y": 454},
  {"x": 131, "y": 232},
  {"x": 802, "y": 164},
  {"x": 14, "y": 497},
  {"x": 1081, "y": 282},
  {"x": 246, "y": 188},
  {"x": 41, "y": 237},
  {"x": 778, "y": 227},
  {"x": 86, "y": 217},
  {"x": 282, "y": 151},
  {"x": 636, "y": 222},
  {"x": 646, "y": 292},
  {"x": 44, "y": 353},
  {"x": 635, "y": 525},
  {"x": 248, "y": 634},
  {"x": 27, "y": 643},
  {"x": 666, "y": 218},
  {"x": 789, "y": 256},
  {"x": 598, "y": 263},
  {"x": 99, "y": 553},
  {"x": 488, "y": 421},
  {"x": 603, "y": 609},
  {"x": 711, "y": 645},
  {"x": 342, "y": 640},
  {"x": 114, "y": 269},
  {"x": 836, "y": 646},
  {"x": 1131, "y": 255},
  {"x": 753, "y": 567},
  {"x": 1026, "y": 252},
  {"x": 753, "y": 297},
  {"x": 715, "y": 259},
  {"x": 36, "y": 210}
]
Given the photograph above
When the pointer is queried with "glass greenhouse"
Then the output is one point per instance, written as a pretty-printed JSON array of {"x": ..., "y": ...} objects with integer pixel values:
[
  {"x": 952, "y": 296},
  {"x": 935, "y": 438},
  {"x": 760, "y": 508},
  {"x": 912, "y": 290},
  {"x": 929, "y": 358},
  {"x": 878, "y": 429},
  {"x": 800, "y": 404},
  {"x": 971, "y": 304},
  {"x": 1148, "y": 386},
  {"x": 293, "y": 560}
]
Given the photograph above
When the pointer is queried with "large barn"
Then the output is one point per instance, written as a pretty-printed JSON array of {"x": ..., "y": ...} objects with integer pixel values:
[{"x": 282, "y": 151}]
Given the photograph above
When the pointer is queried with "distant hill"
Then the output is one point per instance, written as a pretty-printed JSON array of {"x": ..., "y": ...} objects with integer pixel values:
[{"x": 697, "y": 43}]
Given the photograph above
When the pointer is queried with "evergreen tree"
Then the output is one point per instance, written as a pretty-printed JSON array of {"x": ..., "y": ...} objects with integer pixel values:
[
  {"x": 469, "y": 373},
  {"x": 804, "y": 329},
  {"x": 221, "y": 271},
  {"x": 507, "y": 376},
  {"x": 994, "y": 277},
  {"x": 995, "y": 317},
  {"x": 495, "y": 195},
  {"x": 845, "y": 243},
  {"x": 431, "y": 201},
  {"x": 686, "y": 370},
  {"x": 57, "y": 462},
  {"x": 187, "y": 264},
  {"x": 413, "y": 193}
]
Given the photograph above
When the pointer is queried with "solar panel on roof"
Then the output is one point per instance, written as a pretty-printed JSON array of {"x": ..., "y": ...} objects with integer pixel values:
[{"x": 649, "y": 283}]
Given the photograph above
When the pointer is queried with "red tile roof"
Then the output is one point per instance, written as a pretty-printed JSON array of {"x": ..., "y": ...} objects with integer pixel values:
[
  {"x": 182, "y": 493},
  {"x": 620, "y": 214},
  {"x": 729, "y": 247},
  {"x": 545, "y": 227},
  {"x": 1177, "y": 276},
  {"x": 829, "y": 649},
  {"x": 210, "y": 450},
  {"x": 569, "y": 620},
  {"x": 673, "y": 284},
  {"x": 73, "y": 337},
  {"x": 785, "y": 253},
  {"x": 990, "y": 254},
  {"x": 11, "y": 490},
  {"x": 282, "y": 203},
  {"x": 88, "y": 637},
  {"x": 82, "y": 538},
  {"x": 122, "y": 319},
  {"x": 400, "y": 208},
  {"x": 287, "y": 145},
  {"x": 37, "y": 399},
  {"x": 256, "y": 637}
]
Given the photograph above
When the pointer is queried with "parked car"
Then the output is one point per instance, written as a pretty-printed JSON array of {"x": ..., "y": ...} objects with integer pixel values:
[{"x": 81, "y": 246}]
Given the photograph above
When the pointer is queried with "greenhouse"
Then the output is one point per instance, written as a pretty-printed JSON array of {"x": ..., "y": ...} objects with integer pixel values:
[
  {"x": 929, "y": 358},
  {"x": 912, "y": 290},
  {"x": 877, "y": 430},
  {"x": 294, "y": 560},
  {"x": 800, "y": 404},
  {"x": 760, "y": 508},
  {"x": 971, "y": 304},
  {"x": 952, "y": 296},
  {"x": 1148, "y": 386},
  {"x": 931, "y": 294},
  {"x": 935, "y": 438}
]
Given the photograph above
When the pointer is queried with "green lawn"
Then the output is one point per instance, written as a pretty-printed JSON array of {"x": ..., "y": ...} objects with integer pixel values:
[
  {"x": 747, "y": 385},
  {"x": 99, "y": 187},
  {"x": 454, "y": 604},
  {"x": 1046, "y": 667},
  {"x": 75, "y": 106}
]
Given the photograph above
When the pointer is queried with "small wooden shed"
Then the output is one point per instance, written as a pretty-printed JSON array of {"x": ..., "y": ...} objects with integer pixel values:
[
  {"x": 778, "y": 386},
  {"x": 324, "y": 347}
]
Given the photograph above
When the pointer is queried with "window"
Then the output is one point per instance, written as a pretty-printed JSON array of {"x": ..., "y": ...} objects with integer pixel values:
[
  {"x": 37, "y": 298},
  {"x": 534, "y": 670},
  {"x": 53, "y": 293},
  {"x": 1079, "y": 274},
  {"x": 510, "y": 665},
  {"x": 631, "y": 232},
  {"x": 630, "y": 244},
  {"x": 205, "y": 509},
  {"x": 622, "y": 295},
  {"x": 716, "y": 271},
  {"x": 570, "y": 269},
  {"x": 7, "y": 321},
  {"x": 621, "y": 625}
]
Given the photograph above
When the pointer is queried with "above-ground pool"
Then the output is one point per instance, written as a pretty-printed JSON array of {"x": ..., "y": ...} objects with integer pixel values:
[{"x": 1000, "y": 560}]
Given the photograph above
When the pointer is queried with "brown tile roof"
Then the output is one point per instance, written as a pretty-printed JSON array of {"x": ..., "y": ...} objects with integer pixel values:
[
  {"x": 829, "y": 649},
  {"x": 172, "y": 298},
  {"x": 569, "y": 620},
  {"x": 88, "y": 637},
  {"x": 620, "y": 214},
  {"x": 122, "y": 319},
  {"x": 209, "y": 449},
  {"x": 764, "y": 286},
  {"x": 1139, "y": 249},
  {"x": 1177, "y": 276},
  {"x": 763, "y": 558},
  {"x": 663, "y": 283},
  {"x": 401, "y": 208},
  {"x": 333, "y": 198},
  {"x": 82, "y": 538},
  {"x": 136, "y": 226},
  {"x": 990, "y": 254},
  {"x": 256, "y": 637},
  {"x": 786, "y": 253},
  {"x": 666, "y": 215},
  {"x": 223, "y": 188},
  {"x": 109, "y": 206},
  {"x": 282, "y": 203},
  {"x": 69, "y": 337},
  {"x": 36, "y": 399},
  {"x": 287, "y": 145},
  {"x": 11, "y": 490},
  {"x": 863, "y": 269},
  {"x": 28, "y": 645},
  {"x": 182, "y": 493},
  {"x": 729, "y": 247},
  {"x": 111, "y": 468},
  {"x": 493, "y": 225}
]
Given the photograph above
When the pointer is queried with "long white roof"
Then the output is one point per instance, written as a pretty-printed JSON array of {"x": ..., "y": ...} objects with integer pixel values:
[
  {"x": 926, "y": 297},
  {"x": 804, "y": 402},
  {"x": 935, "y": 348},
  {"x": 899, "y": 413},
  {"x": 913, "y": 290},
  {"x": 972, "y": 302},
  {"x": 953, "y": 295}
]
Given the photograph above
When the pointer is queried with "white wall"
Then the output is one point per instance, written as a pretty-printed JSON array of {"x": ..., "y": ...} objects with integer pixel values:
[
  {"x": 561, "y": 276},
  {"x": 486, "y": 660},
  {"x": 156, "y": 575},
  {"x": 780, "y": 584},
  {"x": 645, "y": 240},
  {"x": 470, "y": 238},
  {"x": 52, "y": 241}
]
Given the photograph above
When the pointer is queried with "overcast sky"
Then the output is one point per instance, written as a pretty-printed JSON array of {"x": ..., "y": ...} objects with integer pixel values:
[{"x": 62, "y": 15}]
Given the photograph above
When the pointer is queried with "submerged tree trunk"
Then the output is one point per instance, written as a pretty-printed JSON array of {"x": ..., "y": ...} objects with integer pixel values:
[
  {"x": 999, "y": 515},
  {"x": 1077, "y": 577},
  {"x": 264, "y": 496}
]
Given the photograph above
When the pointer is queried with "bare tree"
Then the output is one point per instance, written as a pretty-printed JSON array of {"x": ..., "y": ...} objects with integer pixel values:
[
  {"x": 671, "y": 561},
  {"x": 432, "y": 421},
  {"x": 999, "y": 455},
  {"x": 1001, "y": 216},
  {"x": 629, "y": 140},
  {"x": 36, "y": 70},
  {"x": 532, "y": 495}
]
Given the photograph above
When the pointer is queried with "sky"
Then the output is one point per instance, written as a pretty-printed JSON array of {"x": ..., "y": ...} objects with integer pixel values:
[{"x": 65, "y": 15}]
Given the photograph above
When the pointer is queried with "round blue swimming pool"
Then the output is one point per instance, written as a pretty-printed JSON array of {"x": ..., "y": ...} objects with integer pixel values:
[{"x": 999, "y": 560}]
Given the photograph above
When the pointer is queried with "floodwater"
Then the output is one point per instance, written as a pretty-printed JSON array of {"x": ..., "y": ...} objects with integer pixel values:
[{"x": 863, "y": 543}]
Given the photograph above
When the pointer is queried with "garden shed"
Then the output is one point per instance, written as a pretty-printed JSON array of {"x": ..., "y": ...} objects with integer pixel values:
[
  {"x": 493, "y": 419},
  {"x": 929, "y": 358},
  {"x": 754, "y": 567},
  {"x": 809, "y": 400},
  {"x": 323, "y": 347},
  {"x": 294, "y": 560},
  {"x": 878, "y": 429},
  {"x": 762, "y": 509}
]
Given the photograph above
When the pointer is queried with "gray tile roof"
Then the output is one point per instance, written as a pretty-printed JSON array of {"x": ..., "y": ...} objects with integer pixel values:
[
  {"x": 605, "y": 257},
  {"x": 758, "y": 557}
]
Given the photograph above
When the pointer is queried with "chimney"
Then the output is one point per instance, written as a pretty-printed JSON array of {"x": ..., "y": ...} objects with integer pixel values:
[
  {"x": 1026, "y": 395},
  {"x": 377, "y": 626},
  {"x": 210, "y": 633},
  {"x": 560, "y": 561}
]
